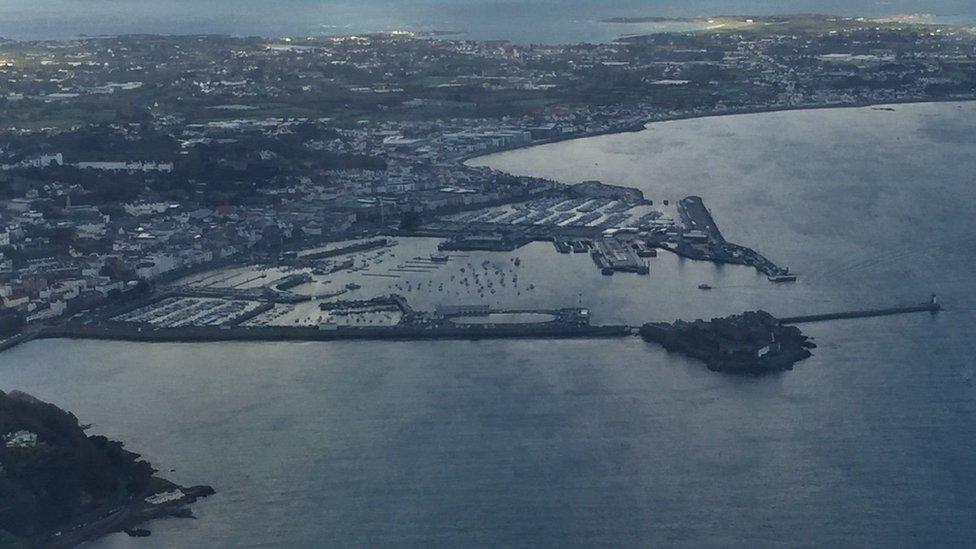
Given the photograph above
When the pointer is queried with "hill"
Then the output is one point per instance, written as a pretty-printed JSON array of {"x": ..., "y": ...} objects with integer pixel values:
[{"x": 61, "y": 486}]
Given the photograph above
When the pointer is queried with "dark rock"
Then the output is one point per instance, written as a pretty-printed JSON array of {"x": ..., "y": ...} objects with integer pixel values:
[{"x": 753, "y": 342}]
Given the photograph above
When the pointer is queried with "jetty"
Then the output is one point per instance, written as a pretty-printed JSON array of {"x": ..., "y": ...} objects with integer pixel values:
[{"x": 931, "y": 306}]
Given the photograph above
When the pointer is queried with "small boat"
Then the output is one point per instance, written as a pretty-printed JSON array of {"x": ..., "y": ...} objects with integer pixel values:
[
  {"x": 704, "y": 287},
  {"x": 353, "y": 286}
]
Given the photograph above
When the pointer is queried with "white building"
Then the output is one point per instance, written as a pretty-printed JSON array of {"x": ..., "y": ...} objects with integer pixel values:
[{"x": 20, "y": 439}]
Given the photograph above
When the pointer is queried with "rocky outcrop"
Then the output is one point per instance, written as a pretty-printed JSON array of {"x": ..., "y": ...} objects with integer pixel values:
[{"x": 753, "y": 342}]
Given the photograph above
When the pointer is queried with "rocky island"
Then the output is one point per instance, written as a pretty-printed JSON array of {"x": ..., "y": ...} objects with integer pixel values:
[
  {"x": 60, "y": 487},
  {"x": 753, "y": 342}
]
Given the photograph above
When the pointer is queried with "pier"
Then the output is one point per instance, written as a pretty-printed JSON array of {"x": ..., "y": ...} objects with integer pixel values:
[{"x": 931, "y": 306}]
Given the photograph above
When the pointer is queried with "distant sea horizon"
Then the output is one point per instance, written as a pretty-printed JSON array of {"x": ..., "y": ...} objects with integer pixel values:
[{"x": 529, "y": 21}]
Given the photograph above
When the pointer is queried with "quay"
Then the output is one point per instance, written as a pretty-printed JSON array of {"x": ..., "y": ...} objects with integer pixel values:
[
  {"x": 611, "y": 255},
  {"x": 931, "y": 306}
]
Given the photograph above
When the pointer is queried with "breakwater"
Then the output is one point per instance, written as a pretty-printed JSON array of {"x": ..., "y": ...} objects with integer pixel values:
[
  {"x": 929, "y": 307},
  {"x": 14, "y": 341},
  {"x": 212, "y": 334},
  {"x": 342, "y": 250}
]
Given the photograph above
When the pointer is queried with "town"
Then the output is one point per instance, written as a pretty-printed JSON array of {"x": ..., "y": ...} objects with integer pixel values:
[{"x": 133, "y": 162}]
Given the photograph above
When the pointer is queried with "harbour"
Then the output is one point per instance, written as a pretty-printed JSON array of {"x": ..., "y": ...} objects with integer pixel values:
[{"x": 416, "y": 430}]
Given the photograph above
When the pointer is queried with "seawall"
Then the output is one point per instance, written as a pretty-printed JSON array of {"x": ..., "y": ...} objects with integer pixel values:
[
  {"x": 213, "y": 334},
  {"x": 932, "y": 307}
]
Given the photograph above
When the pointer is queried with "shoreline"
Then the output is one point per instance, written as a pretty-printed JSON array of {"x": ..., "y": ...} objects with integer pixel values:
[
  {"x": 103, "y": 488},
  {"x": 134, "y": 515},
  {"x": 645, "y": 125}
]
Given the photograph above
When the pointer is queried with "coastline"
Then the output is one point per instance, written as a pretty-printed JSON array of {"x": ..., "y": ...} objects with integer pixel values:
[
  {"x": 643, "y": 125},
  {"x": 68, "y": 487}
]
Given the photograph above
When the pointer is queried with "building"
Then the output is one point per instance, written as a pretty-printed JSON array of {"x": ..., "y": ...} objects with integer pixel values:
[{"x": 20, "y": 439}]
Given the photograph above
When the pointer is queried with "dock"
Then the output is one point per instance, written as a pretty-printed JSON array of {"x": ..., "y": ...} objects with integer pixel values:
[
  {"x": 611, "y": 255},
  {"x": 932, "y": 306}
]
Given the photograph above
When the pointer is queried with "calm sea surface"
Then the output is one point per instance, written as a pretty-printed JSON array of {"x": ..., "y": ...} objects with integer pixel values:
[
  {"x": 581, "y": 443},
  {"x": 547, "y": 21}
]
